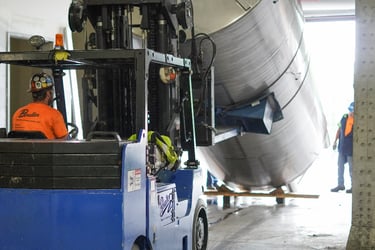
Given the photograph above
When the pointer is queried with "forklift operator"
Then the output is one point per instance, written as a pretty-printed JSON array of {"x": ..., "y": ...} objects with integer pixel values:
[{"x": 39, "y": 115}]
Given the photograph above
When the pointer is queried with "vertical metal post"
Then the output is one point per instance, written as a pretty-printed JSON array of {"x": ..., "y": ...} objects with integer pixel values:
[
  {"x": 362, "y": 232},
  {"x": 142, "y": 66},
  {"x": 59, "y": 91},
  {"x": 188, "y": 140}
]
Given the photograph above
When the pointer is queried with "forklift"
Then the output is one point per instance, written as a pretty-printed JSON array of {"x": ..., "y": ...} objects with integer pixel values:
[{"x": 133, "y": 180}]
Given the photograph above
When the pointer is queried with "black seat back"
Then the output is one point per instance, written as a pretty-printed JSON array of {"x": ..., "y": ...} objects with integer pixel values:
[{"x": 26, "y": 134}]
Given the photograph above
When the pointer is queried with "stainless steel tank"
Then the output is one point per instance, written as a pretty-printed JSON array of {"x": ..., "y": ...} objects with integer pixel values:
[{"x": 261, "y": 49}]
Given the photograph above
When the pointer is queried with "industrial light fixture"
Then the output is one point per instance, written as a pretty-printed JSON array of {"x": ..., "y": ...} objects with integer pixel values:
[{"x": 37, "y": 41}]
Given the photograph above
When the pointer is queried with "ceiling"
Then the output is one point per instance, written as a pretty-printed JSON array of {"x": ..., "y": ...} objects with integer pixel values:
[{"x": 320, "y": 10}]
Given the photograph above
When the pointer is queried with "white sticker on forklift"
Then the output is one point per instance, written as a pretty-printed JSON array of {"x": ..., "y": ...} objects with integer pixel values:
[{"x": 134, "y": 179}]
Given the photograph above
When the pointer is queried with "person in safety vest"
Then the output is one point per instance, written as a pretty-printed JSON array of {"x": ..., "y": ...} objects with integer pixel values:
[
  {"x": 344, "y": 135},
  {"x": 39, "y": 115}
]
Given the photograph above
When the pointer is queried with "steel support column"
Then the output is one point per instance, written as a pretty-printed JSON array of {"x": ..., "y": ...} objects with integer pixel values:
[{"x": 362, "y": 232}]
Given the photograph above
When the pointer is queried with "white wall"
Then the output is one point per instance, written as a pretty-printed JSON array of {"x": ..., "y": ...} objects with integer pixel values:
[
  {"x": 27, "y": 18},
  {"x": 332, "y": 47}
]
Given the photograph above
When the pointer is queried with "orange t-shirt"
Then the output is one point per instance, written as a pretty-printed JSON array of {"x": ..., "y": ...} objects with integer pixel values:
[{"x": 40, "y": 117}]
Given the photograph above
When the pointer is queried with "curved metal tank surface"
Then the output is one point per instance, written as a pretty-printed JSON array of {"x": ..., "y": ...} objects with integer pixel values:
[{"x": 261, "y": 49}]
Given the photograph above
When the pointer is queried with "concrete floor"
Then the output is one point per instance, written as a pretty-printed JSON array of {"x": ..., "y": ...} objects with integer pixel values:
[{"x": 301, "y": 223}]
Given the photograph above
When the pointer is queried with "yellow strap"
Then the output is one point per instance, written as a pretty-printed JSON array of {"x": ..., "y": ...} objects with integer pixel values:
[{"x": 165, "y": 145}]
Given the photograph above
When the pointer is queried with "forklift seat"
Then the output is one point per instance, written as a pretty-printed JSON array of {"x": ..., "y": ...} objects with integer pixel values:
[{"x": 26, "y": 134}]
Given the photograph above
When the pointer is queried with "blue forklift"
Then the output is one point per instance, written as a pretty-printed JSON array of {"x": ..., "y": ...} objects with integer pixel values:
[{"x": 133, "y": 180}]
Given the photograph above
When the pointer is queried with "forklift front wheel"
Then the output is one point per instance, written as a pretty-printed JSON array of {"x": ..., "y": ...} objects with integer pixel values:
[
  {"x": 200, "y": 227},
  {"x": 141, "y": 243}
]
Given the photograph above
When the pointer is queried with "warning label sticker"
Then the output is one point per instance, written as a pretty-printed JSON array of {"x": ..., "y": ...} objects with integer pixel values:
[{"x": 134, "y": 179}]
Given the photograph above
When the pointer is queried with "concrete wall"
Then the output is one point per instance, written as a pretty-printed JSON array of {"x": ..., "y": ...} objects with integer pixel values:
[
  {"x": 362, "y": 232},
  {"x": 24, "y": 19}
]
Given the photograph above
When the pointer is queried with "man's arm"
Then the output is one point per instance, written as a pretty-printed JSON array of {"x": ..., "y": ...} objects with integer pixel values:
[
  {"x": 336, "y": 139},
  {"x": 59, "y": 127}
]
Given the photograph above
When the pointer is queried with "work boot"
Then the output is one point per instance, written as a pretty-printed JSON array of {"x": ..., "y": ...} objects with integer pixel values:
[
  {"x": 349, "y": 191},
  {"x": 338, "y": 188}
]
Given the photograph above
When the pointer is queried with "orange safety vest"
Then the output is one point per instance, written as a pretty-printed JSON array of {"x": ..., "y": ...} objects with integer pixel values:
[{"x": 349, "y": 125}]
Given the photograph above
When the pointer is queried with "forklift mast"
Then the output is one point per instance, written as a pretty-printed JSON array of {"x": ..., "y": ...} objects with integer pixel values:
[{"x": 115, "y": 98}]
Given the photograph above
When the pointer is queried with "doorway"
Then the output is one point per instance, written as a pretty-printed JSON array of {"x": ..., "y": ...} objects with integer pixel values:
[{"x": 19, "y": 76}]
